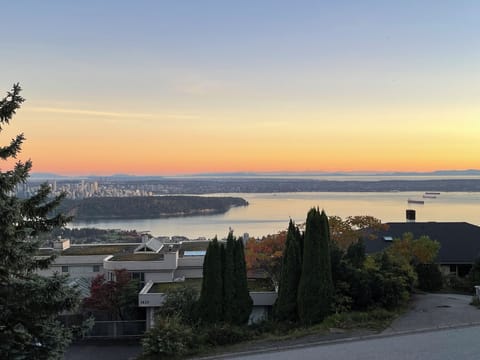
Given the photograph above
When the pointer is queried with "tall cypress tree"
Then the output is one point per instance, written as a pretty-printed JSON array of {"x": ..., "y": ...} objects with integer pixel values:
[
  {"x": 242, "y": 302},
  {"x": 300, "y": 238},
  {"x": 210, "y": 307},
  {"x": 286, "y": 304},
  {"x": 315, "y": 288},
  {"x": 229, "y": 279},
  {"x": 325, "y": 273}
]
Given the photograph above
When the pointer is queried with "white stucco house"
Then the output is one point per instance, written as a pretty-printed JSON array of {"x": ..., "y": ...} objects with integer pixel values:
[{"x": 157, "y": 263}]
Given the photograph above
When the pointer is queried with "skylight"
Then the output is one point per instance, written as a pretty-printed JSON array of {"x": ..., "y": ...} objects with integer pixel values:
[{"x": 195, "y": 253}]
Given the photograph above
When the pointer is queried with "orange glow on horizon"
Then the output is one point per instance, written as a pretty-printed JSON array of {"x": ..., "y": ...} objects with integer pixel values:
[{"x": 104, "y": 143}]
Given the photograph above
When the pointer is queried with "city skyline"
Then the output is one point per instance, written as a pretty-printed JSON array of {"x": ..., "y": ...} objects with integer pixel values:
[{"x": 165, "y": 88}]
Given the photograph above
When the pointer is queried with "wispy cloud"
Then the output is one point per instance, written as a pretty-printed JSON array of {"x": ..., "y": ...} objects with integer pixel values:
[{"x": 110, "y": 114}]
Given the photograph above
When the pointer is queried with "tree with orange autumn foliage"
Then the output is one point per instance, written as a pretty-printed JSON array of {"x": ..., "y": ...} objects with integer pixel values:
[
  {"x": 264, "y": 256},
  {"x": 415, "y": 251},
  {"x": 345, "y": 232}
]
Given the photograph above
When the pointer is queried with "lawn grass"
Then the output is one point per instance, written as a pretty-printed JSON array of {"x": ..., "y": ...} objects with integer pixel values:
[
  {"x": 260, "y": 285},
  {"x": 253, "y": 285},
  {"x": 138, "y": 257},
  {"x": 159, "y": 288},
  {"x": 194, "y": 246},
  {"x": 102, "y": 249}
]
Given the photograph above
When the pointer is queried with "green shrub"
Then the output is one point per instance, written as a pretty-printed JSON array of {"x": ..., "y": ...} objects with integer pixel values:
[
  {"x": 396, "y": 292},
  {"x": 429, "y": 277},
  {"x": 342, "y": 302},
  {"x": 361, "y": 289},
  {"x": 225, "y": 334},
  {"x": 376, "y": 319},
  {"x": 459, "y": 284},
  {"x": 169, "y": 338},
  {"x": 272, "y": 327},
  {"x": 180, "y": 301},
  {"x": 474, "y": 274}
]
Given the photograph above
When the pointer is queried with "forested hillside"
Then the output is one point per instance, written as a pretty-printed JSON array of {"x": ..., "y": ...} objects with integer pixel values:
[{"x": 148, "y": 207}]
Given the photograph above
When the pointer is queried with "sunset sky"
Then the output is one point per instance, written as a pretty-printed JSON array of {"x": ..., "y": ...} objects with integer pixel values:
[{"x": 182, "y": 87}]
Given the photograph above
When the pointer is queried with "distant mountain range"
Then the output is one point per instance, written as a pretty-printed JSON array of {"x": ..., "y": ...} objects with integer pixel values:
[
  {"x": 127, "y": 177},
  {"x": 120, "y": 177}
]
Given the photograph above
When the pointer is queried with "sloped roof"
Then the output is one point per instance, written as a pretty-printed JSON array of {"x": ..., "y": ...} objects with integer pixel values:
[
  {"x": 82, "y": 285},
  {"x": 460, "y": 241},
  {"x": 153, "y": 245}
]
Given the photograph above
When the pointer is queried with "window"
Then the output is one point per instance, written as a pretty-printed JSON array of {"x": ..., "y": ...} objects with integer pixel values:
[
  {"x": 64, "y": 269},
  {"x": 140, "y": 276},
  {"x": 96, "y": 268}
]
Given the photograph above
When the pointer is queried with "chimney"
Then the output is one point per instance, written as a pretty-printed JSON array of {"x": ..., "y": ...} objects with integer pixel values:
[
  {"x": 411, "y": 215},
  {"x": 61, "y": 244},
  {"x": 145, "y": 238}
]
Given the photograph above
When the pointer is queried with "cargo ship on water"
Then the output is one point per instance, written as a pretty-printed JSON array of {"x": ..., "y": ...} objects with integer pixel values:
[
  {"x": 413, "y": 201},
  {"x": 430, "y": 195}
]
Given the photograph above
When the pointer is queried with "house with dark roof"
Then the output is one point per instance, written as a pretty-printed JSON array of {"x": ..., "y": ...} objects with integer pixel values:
[{"x": 459, "y": 242}]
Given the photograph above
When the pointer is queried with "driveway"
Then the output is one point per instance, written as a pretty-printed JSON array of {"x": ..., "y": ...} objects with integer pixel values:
[{"x": 429, "y": 311}]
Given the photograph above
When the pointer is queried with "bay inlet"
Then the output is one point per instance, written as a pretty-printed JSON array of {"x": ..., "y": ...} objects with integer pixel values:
[{"x": 269, "y": 213}]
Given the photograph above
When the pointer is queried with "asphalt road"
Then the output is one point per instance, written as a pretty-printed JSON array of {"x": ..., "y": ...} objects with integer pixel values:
[{"x": 459, "y": 343}]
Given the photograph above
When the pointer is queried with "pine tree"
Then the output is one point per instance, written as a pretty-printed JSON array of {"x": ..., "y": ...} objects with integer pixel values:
[
  {"x": 29, "y": 303},
  {"x": 242, "y": 302},
  {"x": 315, "y": 289},
  {"x": 211, "y": 297},
  {"x": 286, "y": 304}
]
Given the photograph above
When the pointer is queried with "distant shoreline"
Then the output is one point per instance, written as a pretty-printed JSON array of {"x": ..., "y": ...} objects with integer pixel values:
[
  {"x": 232, "y": 186},
  {"x": 195, "y": 187},
  {"x": 150, "y": 207}
]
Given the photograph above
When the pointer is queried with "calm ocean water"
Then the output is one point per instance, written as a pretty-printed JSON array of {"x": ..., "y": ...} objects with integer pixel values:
[{"x": 270, "y": 213}]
